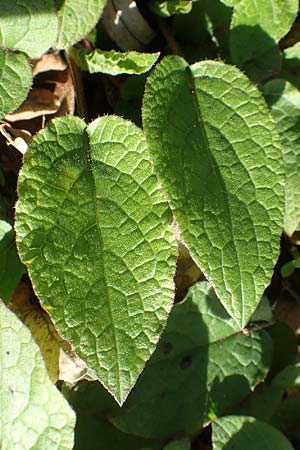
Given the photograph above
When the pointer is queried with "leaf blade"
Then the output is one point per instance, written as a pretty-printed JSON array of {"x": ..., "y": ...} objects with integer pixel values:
[
  {"x": 104, "y": 274},
  {"x": 218, "y": 194}
]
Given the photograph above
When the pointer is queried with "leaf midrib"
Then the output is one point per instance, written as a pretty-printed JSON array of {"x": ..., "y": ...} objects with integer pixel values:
[
  {"x": 192, "y": 87},
  {"x": 86, "y": 148}
]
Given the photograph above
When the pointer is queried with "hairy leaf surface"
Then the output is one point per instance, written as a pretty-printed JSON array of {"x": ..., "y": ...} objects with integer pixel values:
[
  {"x": 284, "y": 101},
  {"x": 15, "y": 80},
  {"x": 113, "y": 62},
  {"x": 93, "y": 228},
  {"x": 197, "y": 372},
  {"x": 217, "y": 152},
  {"x": 34, "y": 415},
  {"x": 28, "y": 25}
]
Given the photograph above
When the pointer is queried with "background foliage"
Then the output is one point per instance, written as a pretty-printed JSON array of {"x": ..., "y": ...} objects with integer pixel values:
[{"x": 149, "y": 224}]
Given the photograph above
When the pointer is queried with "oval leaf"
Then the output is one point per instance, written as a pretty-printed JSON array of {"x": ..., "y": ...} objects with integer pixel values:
[
  {"x": 112, "y": 62},
  {"x": 93, "y": 228},
  {"x": 217, "y": 152},
  {"x": 28, "y": 25},
  {"x": 15, "y": 82},
  {"x": 284, "y": 101},
  {"x": 34, "y": 415},
  {"x": 247, "y": 433},
  {"x": 76, "y": 19}
]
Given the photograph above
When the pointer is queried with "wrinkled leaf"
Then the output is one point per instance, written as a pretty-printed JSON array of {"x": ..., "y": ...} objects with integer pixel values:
[
  {"x": 11, "y": 268},
  {"x": 76, "y": 19},
  {"x": 113, "y": 62},
  {"x": 28, "y": 25},
  {"x": 93, "y": 228},
  {"x": 197, "y": 371},
  {"x": 256, "y": 27},
  {"x": 34, "y": 415},
  {"x": 217, "y": 153},
  {"x": 247, "y": 433},
  {"x": 170, "y": 7},
  {"x": 15, "y": 80},
  {"x": 284, "y": 101}
]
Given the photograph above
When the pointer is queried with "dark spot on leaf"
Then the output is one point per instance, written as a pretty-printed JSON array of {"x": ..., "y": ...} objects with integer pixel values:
[
  {"x": 166, "y": 347},
  {"x": 185, "y": 362},
  {"x": 7, "y": 353}
]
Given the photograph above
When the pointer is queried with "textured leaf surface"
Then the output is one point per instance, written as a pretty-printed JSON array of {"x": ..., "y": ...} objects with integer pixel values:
[
  {"x": 256, "y": 27},
  {"x": 93, "y": 228},
  {"x": 28, "y": 25},
  {"x": 34, "y": 415},
  {"x": 284, "y": 101},
  {"x": 247, "y": 433},
  {"x": 201, "y": 368},
  {"x": 11, "y": 268},
  {"x": 76, "y": 19},
  {"x": 218, "y": 155},
  {"x": 113, "y": 62},
  {"x": 15, "y": 80}
]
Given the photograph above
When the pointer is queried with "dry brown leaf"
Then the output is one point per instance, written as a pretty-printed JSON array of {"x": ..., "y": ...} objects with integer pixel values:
[
  {"x": 50, "y": 61},
  {"x": 39, "y": 102},
  {"x": 15, "y": 137}
]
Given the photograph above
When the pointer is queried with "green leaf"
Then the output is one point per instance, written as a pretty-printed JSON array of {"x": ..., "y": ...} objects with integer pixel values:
[
  {"x": 113, "y": 62},
  {"x": 284, "y": 101},
  {"x": 11, "y": 268},
  {"x": 15, "y": 80},
  {"x": 93, "y": 228},
  {"x": 256, "y": 27},
  {"x": 28, "y": 25},
  {"x": 197, "y": 372},
  {"x": 285, "y": 347},
  {"x": 170, "y": 7},
  {"x": 93, "y": 404},
  {"x": 217, "y": 153},
  {"x": 34, "y": 415},
  {"x": 247, "y": 433},
  {"x": 183, "y": 444},
  {"x": 76, "y": 19}
]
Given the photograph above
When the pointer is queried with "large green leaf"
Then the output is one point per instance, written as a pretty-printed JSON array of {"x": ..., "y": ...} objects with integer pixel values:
[
  {"x": 247, "y": 433},
  {"x": 256, "y": 27},
  {"x": 34, "y": 415},
  {"x": 15, "y": 80},
  {"x": 28, "y": 25},
  {"x": 11, "y": 269},
  {"x": 113, "y": 62},
  {"x": 217, "y": 152},
  {"x": 284, "y": 101},
  {"x": 93, "y": 228},
  {"x": 197, "y": 372},
  {"x": 76, "y": 19}
]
